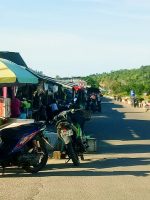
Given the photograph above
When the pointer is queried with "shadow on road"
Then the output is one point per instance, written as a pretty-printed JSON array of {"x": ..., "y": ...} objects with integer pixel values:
[
  {"x": 93, "y": 168},
  {"x": 114, "y": 124},
  {"x": 123, "y": 149}
]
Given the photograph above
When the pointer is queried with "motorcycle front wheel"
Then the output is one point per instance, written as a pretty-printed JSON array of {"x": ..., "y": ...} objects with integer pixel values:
[
  {"x": 72, "y": 154},
  {"x": 43, "y": 157}
]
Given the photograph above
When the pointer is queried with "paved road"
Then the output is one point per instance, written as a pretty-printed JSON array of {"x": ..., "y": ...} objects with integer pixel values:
[{"x": 120, "y": 170}]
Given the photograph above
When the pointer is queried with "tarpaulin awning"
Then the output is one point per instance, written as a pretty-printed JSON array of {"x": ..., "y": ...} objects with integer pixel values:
[{"x": 12, "y": 73}]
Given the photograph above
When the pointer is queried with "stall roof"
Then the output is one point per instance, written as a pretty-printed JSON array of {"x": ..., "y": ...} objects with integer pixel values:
[
  {"x": 52, "y": 80},
  {"x": 13, "y": 56},
  {"x": 16, "y": 58}
]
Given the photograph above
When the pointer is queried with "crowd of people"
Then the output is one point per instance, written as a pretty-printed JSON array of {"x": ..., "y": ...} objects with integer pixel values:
[
  {"x": 37, "y": 109},
  {"x": 45, "y": 107}
]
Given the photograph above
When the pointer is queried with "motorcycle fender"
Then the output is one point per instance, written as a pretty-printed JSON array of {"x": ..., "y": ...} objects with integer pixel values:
[{"x": 66, "y": 139}]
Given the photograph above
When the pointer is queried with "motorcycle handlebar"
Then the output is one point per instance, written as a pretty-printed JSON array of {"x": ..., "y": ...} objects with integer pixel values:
[
  {"x": 69, "y": 111},
  {"x": 64, "y": 115}
]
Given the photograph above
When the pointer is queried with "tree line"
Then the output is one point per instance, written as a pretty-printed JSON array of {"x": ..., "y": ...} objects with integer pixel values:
[{"x": 121, "y": 82}]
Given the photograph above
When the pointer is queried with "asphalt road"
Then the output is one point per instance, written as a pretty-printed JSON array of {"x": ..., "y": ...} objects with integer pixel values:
[{"x": 119, "y": 170}]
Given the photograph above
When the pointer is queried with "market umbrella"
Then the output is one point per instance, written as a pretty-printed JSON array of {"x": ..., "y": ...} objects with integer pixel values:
[{"x": 11, "y": 73}]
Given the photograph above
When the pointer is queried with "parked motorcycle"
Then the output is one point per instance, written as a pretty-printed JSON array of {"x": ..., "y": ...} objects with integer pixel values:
[
  {"x": 24, "y": 146},
  {"x": 70, "y": 133}
]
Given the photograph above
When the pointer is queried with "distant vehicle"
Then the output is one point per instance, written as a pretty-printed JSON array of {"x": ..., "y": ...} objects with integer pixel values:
[{"x": 93, "y": 90}]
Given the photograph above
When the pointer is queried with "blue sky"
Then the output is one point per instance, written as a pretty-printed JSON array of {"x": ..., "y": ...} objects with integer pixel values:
[{"x": 77, "y": 37}]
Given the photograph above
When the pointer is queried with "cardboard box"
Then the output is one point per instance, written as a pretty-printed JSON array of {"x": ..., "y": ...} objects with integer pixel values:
[
  {"x": 5, "y": 110},
  {"x": 57, "y": 155}
]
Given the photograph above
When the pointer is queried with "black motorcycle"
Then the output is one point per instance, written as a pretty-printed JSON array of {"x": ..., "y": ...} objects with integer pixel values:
[{"x": 24, "y": 146}]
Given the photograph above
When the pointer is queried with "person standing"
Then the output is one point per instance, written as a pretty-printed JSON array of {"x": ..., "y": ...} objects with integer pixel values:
[
  {"x": 15, "y": 107},
  {"x": 99, "y": 102},
  {"x": 54, "y": 108}
]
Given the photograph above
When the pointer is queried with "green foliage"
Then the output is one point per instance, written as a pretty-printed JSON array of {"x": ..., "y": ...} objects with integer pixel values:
[
  {"x": 92, "y": 81},
  {"x": 122, "y": 81}
]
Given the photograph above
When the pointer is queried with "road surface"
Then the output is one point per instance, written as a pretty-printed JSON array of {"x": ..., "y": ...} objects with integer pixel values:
[{"x": 119, "y": 170}]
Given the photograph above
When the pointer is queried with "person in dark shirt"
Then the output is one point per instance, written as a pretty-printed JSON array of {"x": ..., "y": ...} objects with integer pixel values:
[{"x": 15, "y": 107}]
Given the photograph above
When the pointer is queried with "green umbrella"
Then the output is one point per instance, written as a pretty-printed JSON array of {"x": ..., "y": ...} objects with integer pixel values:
[{"x": 11, "y": 73}]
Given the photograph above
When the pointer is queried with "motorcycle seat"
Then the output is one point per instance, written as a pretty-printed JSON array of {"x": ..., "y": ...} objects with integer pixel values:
[{"x": 17, "y": 132}]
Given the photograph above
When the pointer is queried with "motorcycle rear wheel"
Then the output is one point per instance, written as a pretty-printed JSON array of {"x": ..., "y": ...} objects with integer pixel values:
[
  {"x": 43, "y": 161},
  {"x": 72, "y": 154}
]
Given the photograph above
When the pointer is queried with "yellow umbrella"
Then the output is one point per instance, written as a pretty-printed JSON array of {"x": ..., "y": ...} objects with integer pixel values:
[{"x": 6, "y": 75}]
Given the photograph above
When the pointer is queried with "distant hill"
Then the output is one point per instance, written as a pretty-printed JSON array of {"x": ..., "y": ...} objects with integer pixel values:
[{"x": 122, "y": 81}]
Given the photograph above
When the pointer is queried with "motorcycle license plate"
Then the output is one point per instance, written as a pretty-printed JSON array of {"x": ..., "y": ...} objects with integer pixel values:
[{"x": 66, "y": 132}]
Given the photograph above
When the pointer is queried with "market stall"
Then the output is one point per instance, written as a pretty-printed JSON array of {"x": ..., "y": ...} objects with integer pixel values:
[{"x": 12, "y": 75}]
